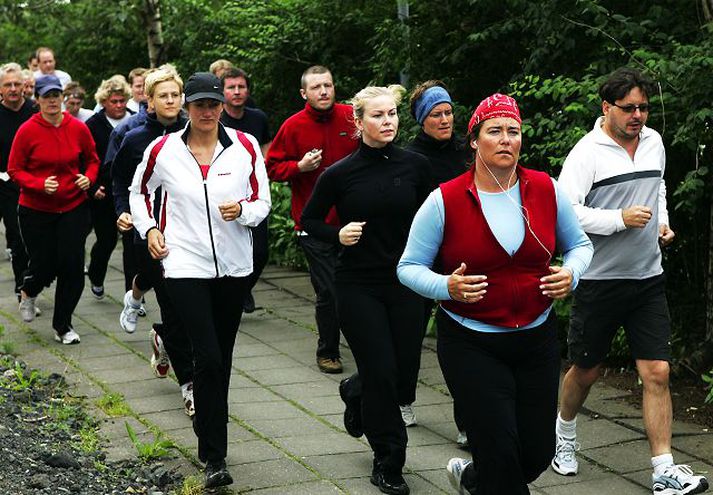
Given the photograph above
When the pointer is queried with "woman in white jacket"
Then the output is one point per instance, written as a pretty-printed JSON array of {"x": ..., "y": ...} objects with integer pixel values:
[{"x": 213, "y": 187}]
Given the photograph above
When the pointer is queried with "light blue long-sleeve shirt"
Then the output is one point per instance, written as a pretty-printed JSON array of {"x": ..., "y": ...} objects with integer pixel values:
[{"x": 508, "y": 226}]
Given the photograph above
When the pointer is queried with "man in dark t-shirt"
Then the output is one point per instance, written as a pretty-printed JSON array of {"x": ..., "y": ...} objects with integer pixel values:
[
  {"x": 14, "y": 111},
  {"x": 236, "y": 89}
]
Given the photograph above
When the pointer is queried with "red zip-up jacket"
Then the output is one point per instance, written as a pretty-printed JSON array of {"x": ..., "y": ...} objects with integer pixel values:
[
  {"x": 331, "y": 131},
  {"x": 40, "y": 150}
]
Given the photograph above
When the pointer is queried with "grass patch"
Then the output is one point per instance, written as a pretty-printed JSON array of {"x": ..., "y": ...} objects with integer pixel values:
[{"x": 113, "y": 405}]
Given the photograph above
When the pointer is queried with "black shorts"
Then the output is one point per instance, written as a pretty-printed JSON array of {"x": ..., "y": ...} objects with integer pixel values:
[{"x": 601, "y": 307}]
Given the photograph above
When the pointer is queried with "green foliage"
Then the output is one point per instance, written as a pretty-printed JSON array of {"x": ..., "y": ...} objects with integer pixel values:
[
  {"x": 283, "y": 241},
  {"x": 20, "y": 379},
  {"x": 88, "y": 440},
  {"x": 149, "y": 451},
  {"x": 113, "y": 405}
]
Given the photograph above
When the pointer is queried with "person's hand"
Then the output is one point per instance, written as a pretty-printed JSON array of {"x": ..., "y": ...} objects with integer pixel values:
[
  {"x": 666, "y": 235},
  {"x": 157, "y": 246},
  {"x": 230, "y": 210},
  {"x": 310, "y": 161},
  {"x": 636, "y": 217},
  {"x": 125, "y": 223},
  {"x": 466, "y": 288},
  {"x": 51, "y": 184},
  {"x": 82, "y": 182},
  {"x": 351, "y": 233},
  {"x": 100, "y": 193},
  {"x": 558, "y": 284}
]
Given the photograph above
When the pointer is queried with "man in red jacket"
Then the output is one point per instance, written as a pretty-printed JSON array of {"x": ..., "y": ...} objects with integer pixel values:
[{"x": 307, "y": 143}]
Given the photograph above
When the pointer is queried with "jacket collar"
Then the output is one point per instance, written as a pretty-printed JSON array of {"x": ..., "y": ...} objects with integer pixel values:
[
  {"x": 602, "y": 137},
  {"x": 223, "y": 137},
  {"x": 317, "y": 115}
]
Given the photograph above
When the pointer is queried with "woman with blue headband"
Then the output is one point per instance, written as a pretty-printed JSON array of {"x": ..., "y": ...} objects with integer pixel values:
[{"x": 432, "y": 108}]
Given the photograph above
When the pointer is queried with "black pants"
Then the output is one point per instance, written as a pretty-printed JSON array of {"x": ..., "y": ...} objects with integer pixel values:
[
  {"x": 104, "y": 223},
  {"x": 383, "y": 325},
  {"x": 171, "y": 330},
  {"x": 260, "y": 252},
  {"x": 9, "y": 196},
  {"x": 210, "y": 310},
  {"x": 322, "y": 258},
  {"x": 128, "y": 257},
  {"x": 55, "y": 245},
  {"x": 506, "y": 385}
]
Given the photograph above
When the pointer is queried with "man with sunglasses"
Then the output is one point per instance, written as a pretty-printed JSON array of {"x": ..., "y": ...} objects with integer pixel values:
[{"x": 614, "y": 178}]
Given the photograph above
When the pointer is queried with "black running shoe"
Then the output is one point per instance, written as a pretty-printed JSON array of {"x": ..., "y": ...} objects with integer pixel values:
[
  {"x": 216, "y": 474},
  {"x": 249, "y": 303},
  {"x": 394, "y": 484}
]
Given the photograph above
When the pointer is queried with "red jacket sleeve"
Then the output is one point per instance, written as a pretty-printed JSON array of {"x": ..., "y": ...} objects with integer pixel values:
[
  {"x": 281, "y": 162},
  {"x": 18, "y": 161}
]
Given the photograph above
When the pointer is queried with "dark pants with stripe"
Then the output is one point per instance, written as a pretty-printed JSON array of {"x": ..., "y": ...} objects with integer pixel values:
[
  {"x": 260, "y": 252},
  {"x": 171, "y": 330},
  {"x": 383, "y": 325},
  {"x": 9, "y": 197},
  {"x": 104, "y": 223},
  {"x": 55, "y": 245},
  {"x": 506, "y": 385},
  {"x": 210, "y": 310}
]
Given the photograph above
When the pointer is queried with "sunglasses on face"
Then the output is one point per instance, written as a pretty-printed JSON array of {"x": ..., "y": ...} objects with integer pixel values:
[{"x": 643, "y": 108}]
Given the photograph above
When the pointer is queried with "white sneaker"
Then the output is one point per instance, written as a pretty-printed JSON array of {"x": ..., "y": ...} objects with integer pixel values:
[
  {"x": 129, "y": 315},
  {"x": 71, "y": 337},
  {"x": 28, "y": 310},
  {"x": 678, "y": 480},
  {"x": 408, "y": 415},
  {"x": 8, "y": 254},
  {"x": 188, "y": 403},
  {"x": 462, "y": 439},
  {"x": 455, "y": 468},
  {"x": 160, "y": 363},
  {"x": 565, "y": 461}
]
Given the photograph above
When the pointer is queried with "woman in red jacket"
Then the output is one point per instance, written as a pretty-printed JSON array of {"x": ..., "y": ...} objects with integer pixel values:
[{"x": 54, "y": 161}]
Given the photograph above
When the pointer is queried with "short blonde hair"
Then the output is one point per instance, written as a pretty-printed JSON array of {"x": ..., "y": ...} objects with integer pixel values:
[
  {"x": 27, "y": 75},
  {"x": 10, "y": 67},
  {"x": 359, "y": 100},
  {"x": 137, "y": 72},
  {"x": 220, "y": 65},
  {"x": 164, "y": 74},
  {"x": 115, "y": 84}
]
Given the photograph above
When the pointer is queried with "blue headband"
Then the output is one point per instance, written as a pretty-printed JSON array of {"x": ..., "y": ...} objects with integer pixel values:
[{"x": 429, "y": 99}]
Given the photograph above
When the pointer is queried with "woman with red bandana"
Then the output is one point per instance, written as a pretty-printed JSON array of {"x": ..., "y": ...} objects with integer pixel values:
[{"x": 494, "y": 230}]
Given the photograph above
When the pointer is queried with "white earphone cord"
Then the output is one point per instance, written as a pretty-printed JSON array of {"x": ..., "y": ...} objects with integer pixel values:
[{"x": 520, "y": 208}]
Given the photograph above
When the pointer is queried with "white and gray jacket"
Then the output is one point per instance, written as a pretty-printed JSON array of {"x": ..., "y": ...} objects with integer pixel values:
[
  {"x": 601, "y": 180},
  {"x": 200, "y": 243}
]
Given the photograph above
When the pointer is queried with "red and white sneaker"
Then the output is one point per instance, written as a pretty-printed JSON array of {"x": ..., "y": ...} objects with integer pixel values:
[{"x": 160, "y": 363}]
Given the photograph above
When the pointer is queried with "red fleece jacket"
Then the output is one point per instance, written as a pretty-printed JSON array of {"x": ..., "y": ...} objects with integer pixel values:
[
  {"x": 308, "y": 129},
  {"x": 40, "y": 150}
]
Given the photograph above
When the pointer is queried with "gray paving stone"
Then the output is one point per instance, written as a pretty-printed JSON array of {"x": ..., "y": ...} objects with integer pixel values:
[
  {"x": 245, "y": 452},
  {"x": 329, "y": 443},
  {"x": 284, "y": 376},
  {"x": 274, "y": 473},
  {"x": 277, "y": 428},
  {"x": 309, "y": 488},
  {"x": 266, "y": 410}
]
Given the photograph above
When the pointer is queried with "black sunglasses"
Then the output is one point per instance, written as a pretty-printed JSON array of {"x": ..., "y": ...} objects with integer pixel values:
[{"x": 643, "y": 108}]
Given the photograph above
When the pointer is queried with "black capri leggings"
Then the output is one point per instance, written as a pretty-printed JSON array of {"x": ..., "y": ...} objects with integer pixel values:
[
  {"x": 384, "y": 328},
  {"x": 210, "y": 310},
  {"x": 506, "y": 387}
]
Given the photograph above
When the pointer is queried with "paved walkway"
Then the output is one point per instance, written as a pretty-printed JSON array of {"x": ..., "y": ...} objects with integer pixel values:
[{"x": 286, "y": 432}]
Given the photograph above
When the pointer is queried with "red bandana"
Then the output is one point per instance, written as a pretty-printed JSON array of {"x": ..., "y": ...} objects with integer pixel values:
[{"x": 497, "y": 105}]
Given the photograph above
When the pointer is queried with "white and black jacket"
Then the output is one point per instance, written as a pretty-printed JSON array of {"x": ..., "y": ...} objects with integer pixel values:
[{"x": 200, "y": 243}]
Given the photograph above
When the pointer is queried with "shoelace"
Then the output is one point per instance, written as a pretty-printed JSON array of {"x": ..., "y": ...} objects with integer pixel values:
[
  {"x": 678, "y": 470},
  {"x": 567, "y": 448}
]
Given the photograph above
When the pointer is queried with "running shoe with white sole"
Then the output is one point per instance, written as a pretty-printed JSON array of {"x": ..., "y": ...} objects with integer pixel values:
[
  {"x": 678, "y": 479},
  {"x": 565, "y": 460},
  {"x": 97, "y": 292},
  {"x": 160, "y": 363},
  {"x": 68, "y": 338},
  {"x": 129, "y": 315},
  {"x": 455, "y": 468},
  {"x": 188, "y": 404},
  {"x": 28, "y": 310},
  {"x": 462, "y": 439},
  {"x": 408, "y": 415}
]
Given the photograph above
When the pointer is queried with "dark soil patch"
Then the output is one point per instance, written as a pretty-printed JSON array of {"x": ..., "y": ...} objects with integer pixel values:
[
  {"x": 49, "y": 444},
  {"x": 688, "y": 395}
]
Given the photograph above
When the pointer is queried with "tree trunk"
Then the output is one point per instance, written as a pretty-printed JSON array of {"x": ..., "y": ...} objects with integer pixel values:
[
  {"x": 707, "y": 6},
  {"x": 154, "y": 32}
]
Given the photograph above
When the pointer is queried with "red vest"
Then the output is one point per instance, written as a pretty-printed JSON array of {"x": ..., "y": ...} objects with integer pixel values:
[{"x": 513, "y": 297}]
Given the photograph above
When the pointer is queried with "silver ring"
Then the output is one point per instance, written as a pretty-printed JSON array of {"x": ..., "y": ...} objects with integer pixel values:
[{"x": 465, "y": 295}]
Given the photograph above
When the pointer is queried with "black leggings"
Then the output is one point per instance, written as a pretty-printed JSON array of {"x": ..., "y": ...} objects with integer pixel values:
[
  {"x": 210, "y": 310},
  {"x": 55, "y": 245},
  {"x": 104, "y": 223},
  {"x": 260, "y": 252},
  {"x": 383, "y": 326},
  {"x": 9, "y": 196},
  {"x": 506, "y": 385}
]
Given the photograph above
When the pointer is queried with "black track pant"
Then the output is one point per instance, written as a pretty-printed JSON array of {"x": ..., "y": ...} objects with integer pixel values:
[
  {"x": 260, "y": 252},
  {"x": 128, "y": 257},
  {"x": 172, "y": 332},
  {"x": 322, "y": 258},
  {"x": 506, "y": 385},
  {"x": 9, "y": 196},
  {"x": 210, "y": 310},
  {"x": 55, "y": 245},
  {"x": 104, "y": 223},
  {"x": 383, "y": 325}
]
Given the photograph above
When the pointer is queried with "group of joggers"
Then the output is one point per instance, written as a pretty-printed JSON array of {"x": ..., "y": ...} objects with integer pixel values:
[{"x": 450, "y": 227}]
